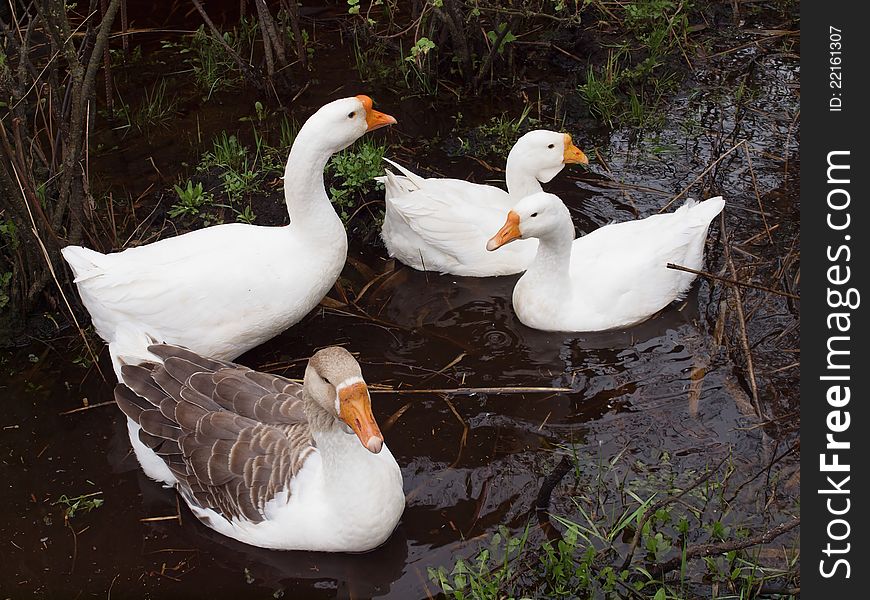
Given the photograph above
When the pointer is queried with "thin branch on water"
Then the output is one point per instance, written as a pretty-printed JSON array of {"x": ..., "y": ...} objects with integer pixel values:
[
  {"x": 88, "y": 407},
  {"x": 757, "y": 195},
  {"x": 753, "y": 286},
  {"x": 741, "y": 321},
  {"x": 465, "y": 429},
  {"x": 470, "y": 391},
  {"x": 723, "y": 547},
  {"x": 158, "y": 519},
  {"x": 709, "y": 168}
]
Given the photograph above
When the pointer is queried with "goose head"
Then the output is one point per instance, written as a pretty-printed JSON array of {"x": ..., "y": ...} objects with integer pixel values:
[
  {"x": 333, "y": 380},
  {"x": 543, "y": 153},
  {"x": 341, "y": 122},
  {"x": 540, "y": 215}
]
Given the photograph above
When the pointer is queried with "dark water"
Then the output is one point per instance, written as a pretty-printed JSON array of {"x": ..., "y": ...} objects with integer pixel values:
[{"x": 659, "y": 392}]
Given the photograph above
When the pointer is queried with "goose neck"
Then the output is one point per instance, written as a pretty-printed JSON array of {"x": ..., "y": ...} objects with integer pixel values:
[
  {"x": 521, "y": 182},
  {"x": 304, "y": 189},
  {"x": 553, "y": 259},
  {"x": 332, "y": 440}
]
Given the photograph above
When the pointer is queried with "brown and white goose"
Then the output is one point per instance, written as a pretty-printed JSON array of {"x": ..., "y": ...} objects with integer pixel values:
[{"x": 264, "y": 460}]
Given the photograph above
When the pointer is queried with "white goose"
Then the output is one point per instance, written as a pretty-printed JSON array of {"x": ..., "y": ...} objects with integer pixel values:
[
  {"x": 267, "y": 461},
  {"x": 613, "y": 277},
  {"x": 442, "y": 224},
  {"x": 225, "y": 289}
]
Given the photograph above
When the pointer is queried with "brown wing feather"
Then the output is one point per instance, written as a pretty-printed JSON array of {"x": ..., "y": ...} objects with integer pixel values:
[{"x": 232, "y": 437}]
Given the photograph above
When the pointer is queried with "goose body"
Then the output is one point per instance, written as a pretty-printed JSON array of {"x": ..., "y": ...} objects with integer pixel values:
[
  {"x": 222, "y": 290},
  {"x": 225, "y": 289},
  {"x": 613, "y": 277},
  {"x": 442, "y": 225},
  {"x": 264, "y": 460}
]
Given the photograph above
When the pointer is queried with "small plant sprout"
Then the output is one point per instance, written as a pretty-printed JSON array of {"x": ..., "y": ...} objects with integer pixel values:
[
  {"x": 73, "y": 505},
  {"x": 191, "y": 199}
]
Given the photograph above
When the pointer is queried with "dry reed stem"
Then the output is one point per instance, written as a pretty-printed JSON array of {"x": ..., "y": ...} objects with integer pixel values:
[
  {"x": 88, "y": 407},
  {"x": 741, "y": 321},
  {"x": 48, "y": 262},
  {"x": 702, "y": 175},
  {"x": 757, "y": 195},
  {"x": 469, "y": 391},
  {"x": 754, "y": 286}
]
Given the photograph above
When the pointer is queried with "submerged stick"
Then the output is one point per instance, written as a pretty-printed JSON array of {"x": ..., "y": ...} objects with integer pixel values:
[
  {"x": 702, "y": 175},
  {"x": 744, "y": 336},
  {"x": 88, "y": 407},
  {"x": 468, "y": 391},
  {"x": 754, "y": 286},
  {"x": 757, "y": 195}
]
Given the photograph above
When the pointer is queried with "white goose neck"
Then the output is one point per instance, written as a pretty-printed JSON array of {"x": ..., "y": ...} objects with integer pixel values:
[
  {"x": 552, "y": 263},
  {"x": 346, "y": 463},
  {"x": 304, "y": 190},
  {"x": 521, "y": 182}
]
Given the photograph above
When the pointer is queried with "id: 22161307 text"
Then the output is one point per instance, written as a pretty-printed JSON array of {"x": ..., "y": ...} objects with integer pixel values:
[{"x": 835, "y": 68}]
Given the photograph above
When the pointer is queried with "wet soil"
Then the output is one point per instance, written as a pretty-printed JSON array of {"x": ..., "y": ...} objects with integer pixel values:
[{"x": 670, "y": 395}]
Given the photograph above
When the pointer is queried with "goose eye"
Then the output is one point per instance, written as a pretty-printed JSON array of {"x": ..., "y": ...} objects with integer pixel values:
[
  {"x": 551, "y": 146},
  {"x": 534, "y": 214},
  {"x": 351, "y": 115}
]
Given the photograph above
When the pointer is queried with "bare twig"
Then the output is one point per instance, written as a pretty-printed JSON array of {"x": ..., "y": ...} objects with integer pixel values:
[
  {"x": 701, "y": 176},
  {"x": 741, "y": 321},
  {"x": 757, "y": 195},
  {"x": 88, "y": 407},
  {"x": 754, "y": 286},
  {"x": 470, "y": 391},
  {"x": 722, "y": 547}
]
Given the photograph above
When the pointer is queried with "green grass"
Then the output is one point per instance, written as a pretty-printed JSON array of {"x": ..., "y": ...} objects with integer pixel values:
[
  {"x": 353, "y": 171},
  {"x": 640, "y": 72},
  {"x": 609, "y": 504},
  {"x": 212, "y": 66},
  {"x": 601, "y": 90},
  {"x": 5, "y": 281},
  {"x": 238, "y": 170},
  {"x": 157, "y": 108}
]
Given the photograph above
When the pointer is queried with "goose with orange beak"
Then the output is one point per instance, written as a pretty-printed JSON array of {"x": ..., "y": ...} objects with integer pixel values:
[
  {"x": 223, "y": 290},
  {"x": 613, "y": 277},
  {"x": 264, "y": 460},
  {"x": 442, "y": 224}
]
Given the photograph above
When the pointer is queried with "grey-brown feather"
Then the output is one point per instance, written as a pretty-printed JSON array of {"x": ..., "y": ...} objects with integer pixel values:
[{"x": 233, "y": 437}]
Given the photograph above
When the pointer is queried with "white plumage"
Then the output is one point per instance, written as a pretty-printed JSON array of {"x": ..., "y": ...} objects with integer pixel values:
[
  {"x": 442, "y": 224},
  {"x": 613, "y": 277}
]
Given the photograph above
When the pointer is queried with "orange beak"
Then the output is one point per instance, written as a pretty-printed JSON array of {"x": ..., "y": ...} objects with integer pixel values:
[
  {"x": 507, "y": 234},
  {"x": 573, "y": 154},
  {"x": 356, "y": 410},
  {"x": 374, "y": 119}
]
